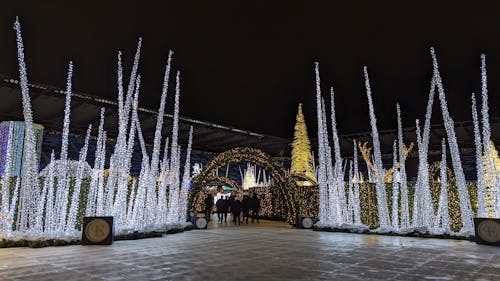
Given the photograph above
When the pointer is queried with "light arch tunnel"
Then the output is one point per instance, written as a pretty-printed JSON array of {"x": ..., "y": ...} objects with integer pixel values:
[{"x": 292, "y": 198}]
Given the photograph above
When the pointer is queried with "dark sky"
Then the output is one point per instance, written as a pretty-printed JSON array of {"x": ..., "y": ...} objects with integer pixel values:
[{"x": 249, "y": 65}]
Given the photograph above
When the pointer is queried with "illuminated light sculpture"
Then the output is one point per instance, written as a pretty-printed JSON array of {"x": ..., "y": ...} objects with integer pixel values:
[
  {"x": 491, "y": 174},
  {"x": 422, "y": 215},
  {"x": 335, "y": 208},
  {"x": 430, "y": 212},
  {"x": 322, "y": 178},
  {"x": 383, "y": 211},
  {"x": 481, "y": 191},
  {"x": 442, "y": 218},
  {"x": 465, "y": 205},
  {"x": 403, "y": 153},
  {"x": 249, "y": 179},
  {"x": 282, "y": 185},
  {"x": 302, "y": 160},
  {"x": 17, "y": 129},
  {"x": 29, "y": 189},
  {"x": 491, "y": 161},
  {"x": 51, "y": 208}
]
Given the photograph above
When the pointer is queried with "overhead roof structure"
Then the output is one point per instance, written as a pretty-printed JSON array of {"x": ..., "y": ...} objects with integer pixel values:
[
  {"x": 464, "y": 131},
  {"x": 48, "y": 110}
]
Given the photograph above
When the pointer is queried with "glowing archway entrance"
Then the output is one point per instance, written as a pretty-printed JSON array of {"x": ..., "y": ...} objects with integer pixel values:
[{"x": 283, "y": 185}]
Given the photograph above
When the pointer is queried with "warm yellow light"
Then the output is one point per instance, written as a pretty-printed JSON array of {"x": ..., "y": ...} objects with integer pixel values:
[
  {"x": 302, "y": 160},
  {"x": 490, "y": 177}
]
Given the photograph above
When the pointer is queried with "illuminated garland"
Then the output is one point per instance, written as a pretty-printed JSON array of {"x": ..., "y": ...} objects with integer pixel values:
[
  {"x": 282, "y": 187},
  {"x": 275, "y": 202},
  {"x": 368, "y": 200},
  {"x": 271, "y": 204},
  {"x": 491, "y": 173},
  {"x": 218, "y": 180}
]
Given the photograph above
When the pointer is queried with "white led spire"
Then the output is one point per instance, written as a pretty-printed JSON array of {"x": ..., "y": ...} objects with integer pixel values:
[
  {"x": 463, "y": 194},
  {"x": 383, "y": 211}
]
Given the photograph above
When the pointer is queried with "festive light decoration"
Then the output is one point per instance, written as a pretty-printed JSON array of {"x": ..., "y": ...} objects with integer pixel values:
[
  {"x": 322, "y": 179},
  {"x": 29, "y": 185},
  {"x": 481, "y": 191},
  {"x": 383, "y": 211},
  {"x": 405, "y": 213},
  {"x": 356, "y": 180},
  {"x": 7, "y": 217},
  {"x": 439, "y": 207},
  {"x": 367, "y": 157},
  {"x": 271, "y": 205},
  {"x": 335, "y": 208},
  {"x": 491, "y": 174},
  {"x": 465, "y": 205},
  {"x": 282, "y": 185},
  {"x": 302, "y": 160},
  {"x": 52, "y": 206},
  {"x": 395, "y": 188},
  {"x": 442, "y": 218},
  {"x": 249, "y": 179},
  {"x": 338, "y": 176},
  {"x": 423, "y": 215},
  {"x": 17, "y": 128}
]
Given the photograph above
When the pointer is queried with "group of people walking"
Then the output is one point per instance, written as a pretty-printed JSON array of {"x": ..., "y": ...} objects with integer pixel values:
[{"x": 241, "y": 208}]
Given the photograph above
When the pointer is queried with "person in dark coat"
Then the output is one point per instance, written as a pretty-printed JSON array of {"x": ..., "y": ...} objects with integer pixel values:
[
  {"x": 226, "y": 205},
  {"x": 220, "y": 208},
  {"x": 255, "y": 207},
  {"x": 230, "y": 205},
  {"x": 246, "y": 207},
  {"x": 236, "y": 209},
  {"x": 209, "y": 204}
]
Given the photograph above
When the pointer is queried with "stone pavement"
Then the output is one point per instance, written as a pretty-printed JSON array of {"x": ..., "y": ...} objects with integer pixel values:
[{"x": 267, "y": 251}]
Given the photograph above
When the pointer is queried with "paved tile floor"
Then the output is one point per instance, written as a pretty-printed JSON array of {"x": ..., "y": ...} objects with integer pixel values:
[{"x": 267, "y": 251}]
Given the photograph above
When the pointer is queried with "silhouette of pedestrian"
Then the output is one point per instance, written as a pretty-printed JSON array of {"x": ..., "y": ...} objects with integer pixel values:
[
  {"x": 209, "y": 204},
  {"x": 246, "y": 207},
  {"x": 220, "y": 209},
  {"x": 255, "y": 207},
  {"x": 236, "y": 209}
]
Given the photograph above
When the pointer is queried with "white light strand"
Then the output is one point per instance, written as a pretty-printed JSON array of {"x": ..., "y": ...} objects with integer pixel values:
[
  {"x": 481, "y": 190},
  {"x": 75, "y": 199},
  {"x": 334, "y": 212},
  {"x": 463, "y": 194},
  {"x": 494, "y": 177},
  {"x": 90, "y": 209},
  {"x": 338, "y": 174},
  {"x": 405, "y": 214},
  {"x": 322, "y": 180},
  {"x": 426, "y": 211},
  {"x": 49, "y": 227},
  {"x": 417, "y": 196},
  {"x": 6, "y": 224},
  {"x": 173, "y": 201},
  {"x": 183, "y": 201},
  {"x": 350, "y": 205},
  {"x": 357, "y": 207},
  {"x": 29, "y": 186},
  {"x": 383, "y": 211},
  {"x": 395, "y": 187},
  {"x": 442, "y": 219}
]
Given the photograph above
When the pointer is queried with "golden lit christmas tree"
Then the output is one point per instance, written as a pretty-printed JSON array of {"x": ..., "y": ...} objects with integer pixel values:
[{"x": 302, "y": 160}]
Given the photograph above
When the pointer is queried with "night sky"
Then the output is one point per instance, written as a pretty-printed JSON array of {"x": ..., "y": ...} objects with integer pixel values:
[{"x": 249, "y": 65}]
